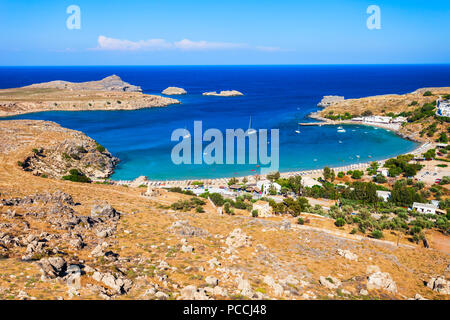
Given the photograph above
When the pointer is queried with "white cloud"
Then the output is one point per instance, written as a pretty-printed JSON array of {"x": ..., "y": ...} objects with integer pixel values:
[
  {"x": 105, "y": 43},
  {"x": 111, "y": 44},
  {"x": 187, "y": 44}
]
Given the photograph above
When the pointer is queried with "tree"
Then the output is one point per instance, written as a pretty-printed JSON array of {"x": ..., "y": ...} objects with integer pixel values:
[
  {"x": 443, "y": 138},
  {"x": 379, "y": 178},
  {"x": 328, "y": 174},
  {"x": 403, "y": 195},
  {"x": 273, "y": 176},
  {"x": 357, "y": 174},
  {"x": 430, "y": 154},
  {"x": 232, "y": 181}
]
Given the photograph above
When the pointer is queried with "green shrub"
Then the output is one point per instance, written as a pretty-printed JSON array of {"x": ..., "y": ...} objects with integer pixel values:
[
  {"x": 300, "y": 221},
  {"x": 100, "y": 148},
  {"x": 255, "y": 213},
  {"x": 357, "y": 174},
  {"x": 379, "y": 178},
  {"x": 217, "y": 199},
  {"x": 427, "y": 94},
  {"x": 76, "y": 176},
  {"x": 377, "y": 234},
  {"x": 354, "y": 230},
  {"x": 340, "y": 222}
]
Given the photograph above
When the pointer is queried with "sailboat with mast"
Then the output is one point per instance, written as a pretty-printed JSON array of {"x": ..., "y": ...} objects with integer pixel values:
[{"x": 250, "y": 131}]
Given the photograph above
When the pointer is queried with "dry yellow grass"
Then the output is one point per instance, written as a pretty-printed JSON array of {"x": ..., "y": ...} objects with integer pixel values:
[{"x": 143, "y": 234}]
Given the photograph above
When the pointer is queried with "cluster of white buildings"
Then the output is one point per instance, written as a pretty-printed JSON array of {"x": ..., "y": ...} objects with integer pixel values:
[
  {"x": 380, "y": 119},
  {"x": 443, "y": 108}
]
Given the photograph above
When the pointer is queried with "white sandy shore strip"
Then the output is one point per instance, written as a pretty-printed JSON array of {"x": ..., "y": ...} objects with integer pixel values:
[{"x": 218, "y": 182}]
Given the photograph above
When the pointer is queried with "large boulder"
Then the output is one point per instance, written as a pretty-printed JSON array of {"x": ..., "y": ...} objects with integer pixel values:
[
  {"x": 52, "y": 268},
  {"x": 381, "y": 281},
  {"x": 439, "y": 284},
  {"x": 104, "y": 211},
  {"x": 116, "y": 283},
  {"x": 191, "y": 292}
]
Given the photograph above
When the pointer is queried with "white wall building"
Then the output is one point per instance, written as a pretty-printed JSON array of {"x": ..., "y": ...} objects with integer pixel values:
[
  {"x": 383, "y": 171},
  {"x": 263, "y": 208},
  {"x": 310, "y": 182},
  {"x": 425, "y": 207},
  {"x": 443, "y": 108},
  {"x": 385, "y": 195},
  {"x": 377, "y": 119},
  {"x": 265, "y": 186}
]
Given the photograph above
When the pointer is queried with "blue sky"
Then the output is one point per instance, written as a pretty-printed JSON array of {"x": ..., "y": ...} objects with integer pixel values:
[{"x": 174, "y": 32}]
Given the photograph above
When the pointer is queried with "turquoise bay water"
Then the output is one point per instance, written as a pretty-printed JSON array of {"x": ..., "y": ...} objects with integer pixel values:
[{"x": 275, "y": 97}]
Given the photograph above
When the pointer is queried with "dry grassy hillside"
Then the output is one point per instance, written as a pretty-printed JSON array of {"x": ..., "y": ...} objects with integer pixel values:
[
  {"x": 153, "y": 252},
  {"x": 384, "y": 104}
]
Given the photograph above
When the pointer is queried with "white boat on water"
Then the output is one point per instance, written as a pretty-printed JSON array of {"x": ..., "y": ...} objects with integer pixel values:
[
  {"x": 298, "y": 129},
  {"x": 250, "y": 131},
  {"x": 341, "y": 130}
]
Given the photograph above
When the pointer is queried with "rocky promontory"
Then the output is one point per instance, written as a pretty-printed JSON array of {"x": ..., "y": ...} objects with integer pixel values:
[
  {"x": 225, "y": 93},
  {"x": 170, "y": 91},
  {"x": 111, "y": 83},
  {"x": 110, "y": 93},
  {"x": 329, "y": 100},
  {"x": 56, "y": 151}
]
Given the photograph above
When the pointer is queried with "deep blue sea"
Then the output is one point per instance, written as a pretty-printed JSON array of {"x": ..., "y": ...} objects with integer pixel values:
[{"x": 275, "y": 97}]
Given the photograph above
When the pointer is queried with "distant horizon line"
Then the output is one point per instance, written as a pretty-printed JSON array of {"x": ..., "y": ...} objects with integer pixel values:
[{"x": 230, "y": 65}]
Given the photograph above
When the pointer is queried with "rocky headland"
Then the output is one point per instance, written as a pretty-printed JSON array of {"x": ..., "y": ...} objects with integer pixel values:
[
  {"x": 110, "y": 93},
  {"x": 329, "y": 100}
]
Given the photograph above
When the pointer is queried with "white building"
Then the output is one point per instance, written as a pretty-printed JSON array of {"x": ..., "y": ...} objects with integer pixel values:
[
  {"x": 385, "y": 195},
  {"x": 383, "y": 171},
  {"x": 263, "y": 208},
  {"x": 443, "y": 108},
  {"x": 399, "y": 120},
  {"x": 310, "y": 182},
  {"x": 425, "y": 207},
  {"x": 265, "y": 186},
  {"x": 377, "y": 119}
]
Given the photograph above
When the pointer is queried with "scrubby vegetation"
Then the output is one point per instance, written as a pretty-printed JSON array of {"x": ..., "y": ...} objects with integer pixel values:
[{"x": 76, "y": 176}]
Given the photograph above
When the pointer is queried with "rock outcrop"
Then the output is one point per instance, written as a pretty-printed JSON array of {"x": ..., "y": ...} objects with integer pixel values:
[
  {"x": 78, "y": 152},
  {"x": 378, "y": 280},
  {"x": 439, "y": 284},
  {"x": 329, "y": 100},
  {"x": 170, "y": 91}
]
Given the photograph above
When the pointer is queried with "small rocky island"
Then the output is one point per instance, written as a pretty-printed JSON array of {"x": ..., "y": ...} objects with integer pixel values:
[
  {"x": 171, "y": 91},
  {"x": 225, "y": 93},
  {"x": 110, "y": 93}
]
